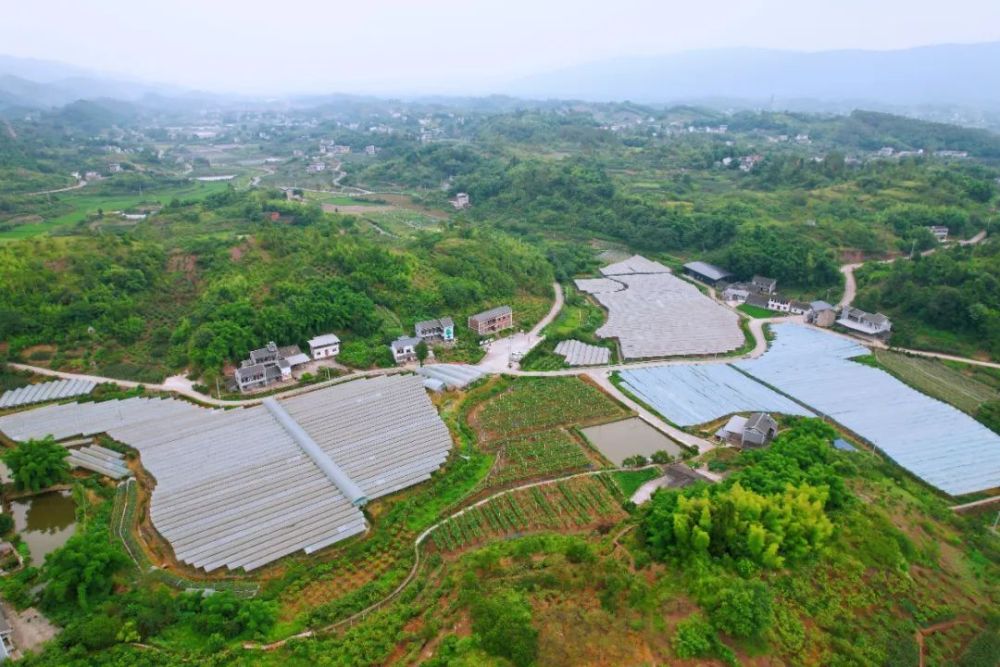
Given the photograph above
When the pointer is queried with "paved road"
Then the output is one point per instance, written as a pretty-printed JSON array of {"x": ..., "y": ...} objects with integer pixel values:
[
  {"x": 179, "y": 384},
  {"x": 851, "y": 286},
  {"x": 498, "y": 354}
]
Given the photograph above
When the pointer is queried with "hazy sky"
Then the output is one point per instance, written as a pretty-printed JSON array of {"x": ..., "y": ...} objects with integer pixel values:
[{"x": 451, "y": 46}]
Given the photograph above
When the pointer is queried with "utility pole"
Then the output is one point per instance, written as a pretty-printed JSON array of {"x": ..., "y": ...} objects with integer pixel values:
[{"x": 218, "y": 392}]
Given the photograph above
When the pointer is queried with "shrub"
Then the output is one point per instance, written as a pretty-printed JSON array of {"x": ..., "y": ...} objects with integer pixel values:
[
  {"x": 661, "y": 456},
  {"x": 502, "y": 622},
  {"x": 743, "y": 609},
  {"x": 693, "y": 638},
  {"x": 635, "y": 461}
]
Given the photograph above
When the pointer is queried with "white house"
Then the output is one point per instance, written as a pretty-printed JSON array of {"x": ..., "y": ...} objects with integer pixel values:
[
  {"x": 325, "y": 346},
  {"x": 404, "y": 349}
]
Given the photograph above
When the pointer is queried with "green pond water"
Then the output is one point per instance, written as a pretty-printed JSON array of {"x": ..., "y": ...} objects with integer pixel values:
[{"x": 45, "y": 522}]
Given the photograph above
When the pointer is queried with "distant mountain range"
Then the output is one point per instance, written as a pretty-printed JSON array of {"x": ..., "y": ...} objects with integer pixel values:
[
  {"x": 32, "y": 83},
  {"x": 950, "y": 74},
  {"x": 904, "y": 81}
]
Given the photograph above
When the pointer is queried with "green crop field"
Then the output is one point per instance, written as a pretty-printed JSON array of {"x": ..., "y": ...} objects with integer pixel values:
[
  {"x": 629, "y": 481},
  {"x": 537, "y": 455},
  {"x": 571, "y": 505},
  {"x": 757, "y": 311},
  {"x": 938, "y": 380},
  {"x": 83, "y": 204},
  {"x": 533, "y": 404}
]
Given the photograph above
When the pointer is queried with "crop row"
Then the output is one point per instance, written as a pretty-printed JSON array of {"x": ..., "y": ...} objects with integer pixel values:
[
  {"x": 533, "y": 404},
  {"x": 568, "y": 505},
  {"x": 538, "y": 454}
]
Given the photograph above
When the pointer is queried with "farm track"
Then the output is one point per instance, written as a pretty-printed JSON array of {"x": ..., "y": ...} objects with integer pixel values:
[
  {"x": 80, "y": 184},
  {"x": 851, "y": 285}
]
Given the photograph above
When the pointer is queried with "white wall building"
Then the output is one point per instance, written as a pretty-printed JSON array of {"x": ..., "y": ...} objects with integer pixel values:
[{"x": 324, "y": 347}]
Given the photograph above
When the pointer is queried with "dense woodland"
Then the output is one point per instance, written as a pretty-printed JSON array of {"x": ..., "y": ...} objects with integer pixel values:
[{"x": 944, "y": 301}]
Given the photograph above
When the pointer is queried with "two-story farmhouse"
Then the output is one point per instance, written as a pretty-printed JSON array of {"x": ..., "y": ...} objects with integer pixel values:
[
  {"x": 267, "y": 365},
  {"x": 404, "y": 349},
  {"x": 324, "y": 346},
  {"x": 752, "y": 432},
  {"x": 492, "y": 321},
  {"x": 869, "y": 324},
  {"x": 441, "y": 330}
]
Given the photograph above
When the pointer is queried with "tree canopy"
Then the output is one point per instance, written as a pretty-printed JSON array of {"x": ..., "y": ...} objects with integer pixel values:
[{"x": 37, "y": 464}]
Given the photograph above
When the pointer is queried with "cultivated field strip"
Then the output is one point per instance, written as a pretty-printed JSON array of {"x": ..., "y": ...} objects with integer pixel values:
[
  {"x": 45, "y": 391},
  {"x": 582, "y": 354},
  {"x": 933, "y": 440},
  {"x": 571, "y": 505},
  {"x": 660, "y": 315},
  {"x": 235, "y": 489},
  {"x": 696, "y": 394}
]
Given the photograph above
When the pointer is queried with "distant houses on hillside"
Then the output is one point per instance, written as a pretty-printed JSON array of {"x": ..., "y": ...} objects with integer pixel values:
[
  {"x": 461, "y": 201},
  {"x": 268, "y": 365},
  {"x": 940, "y": 232},
  {"x": 761, "y": 292}
]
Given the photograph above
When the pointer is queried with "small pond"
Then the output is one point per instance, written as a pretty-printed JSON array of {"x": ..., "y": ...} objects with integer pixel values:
[
  {"x": 628, "y": 437},
  {"x": 45, "y": 522}
]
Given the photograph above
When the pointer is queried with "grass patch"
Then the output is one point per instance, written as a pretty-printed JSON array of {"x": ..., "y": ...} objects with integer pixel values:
[
  {"x": 534, "y": 404},
  {"x": 629, "y": 481},
  {"x": 756, "y": 311},
  {"x": 81, "y": 204}
]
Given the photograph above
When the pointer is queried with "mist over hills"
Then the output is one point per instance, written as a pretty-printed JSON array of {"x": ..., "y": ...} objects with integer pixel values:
[
  {"x": 961, "y": 74},
  {"x": 957, "y": 83}
]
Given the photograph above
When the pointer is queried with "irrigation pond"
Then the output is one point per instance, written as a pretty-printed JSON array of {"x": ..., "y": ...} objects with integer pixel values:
[
  {"x": 621, "y": 439},
  {"x": 44, "y": 522}
]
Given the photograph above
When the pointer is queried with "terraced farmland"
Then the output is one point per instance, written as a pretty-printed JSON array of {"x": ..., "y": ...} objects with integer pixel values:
[
  {"x": 577, "y": 504},
  {"x": 533, "y": 404},
  {"x": 537, "y": 455}
]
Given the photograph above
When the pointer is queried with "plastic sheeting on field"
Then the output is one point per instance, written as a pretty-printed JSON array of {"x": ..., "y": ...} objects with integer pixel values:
[
  {"x": 659, "y": 315},
  {"x": 236, "y": 488},
  {"x": 452, "y": 376},
  {"x": 578, "y": 353},
  {"x": 934, "y": 441},
  {"x": 45, "y": 391},
  {"x": 695, "y": 394}
]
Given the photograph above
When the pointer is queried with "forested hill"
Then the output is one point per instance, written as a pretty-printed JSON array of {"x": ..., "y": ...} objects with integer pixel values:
[
  {"x": 948, "y": 301},
  {"x": 871, "y": 130},
  {"x": 168, "y": 296}
]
